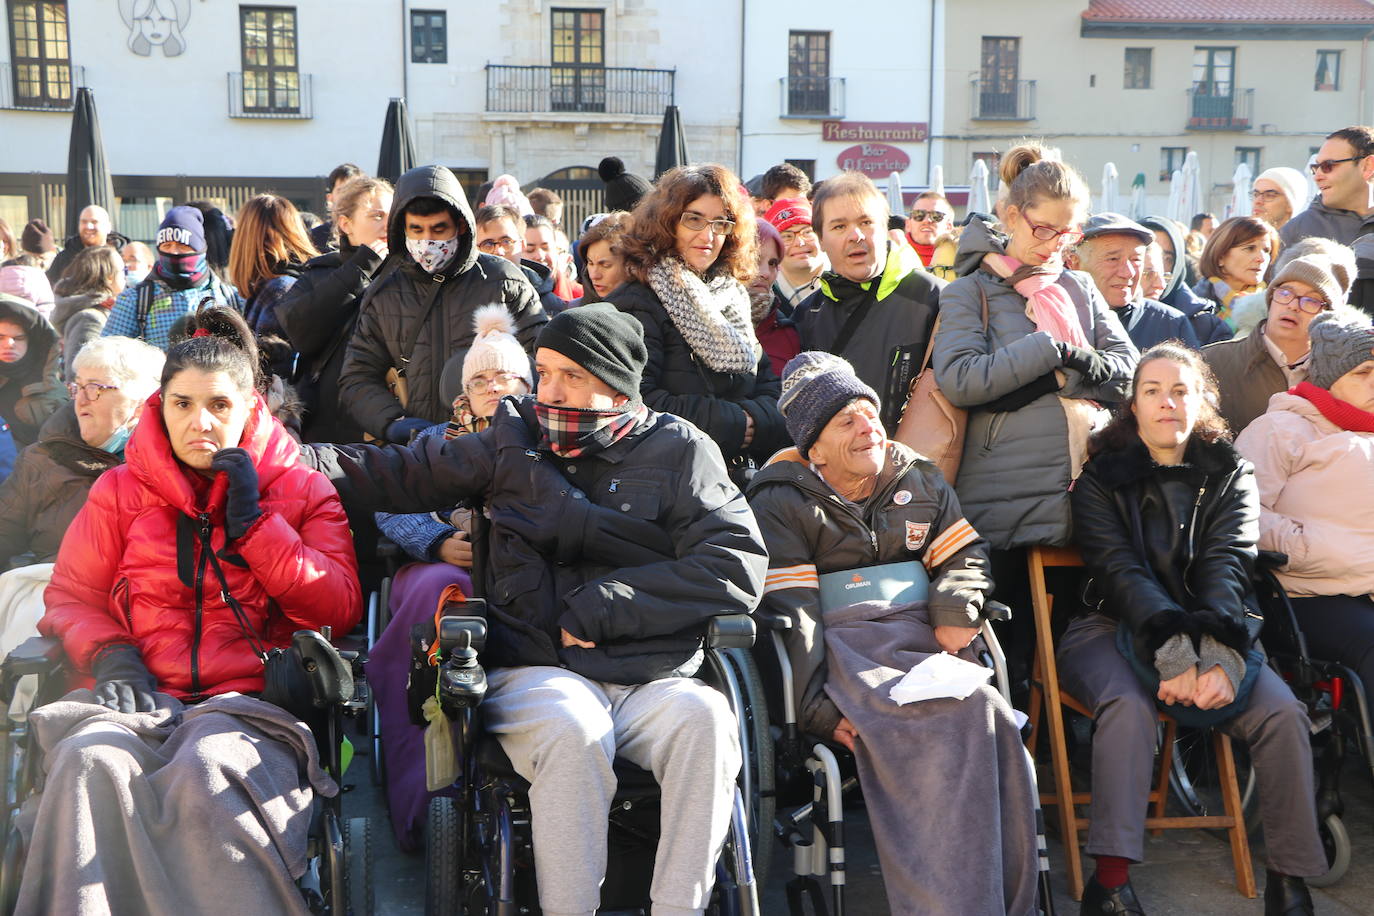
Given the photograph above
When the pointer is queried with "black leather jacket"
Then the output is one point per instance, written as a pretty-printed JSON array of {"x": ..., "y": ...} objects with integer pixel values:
[{"x": 1171, "y": 549}]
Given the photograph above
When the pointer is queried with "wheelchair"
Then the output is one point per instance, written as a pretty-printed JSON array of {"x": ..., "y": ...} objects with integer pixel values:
[
  {"x": 814, "y": 831},
  {"x": 338, "y": 876},
  {"x": 479, "y": 852}
]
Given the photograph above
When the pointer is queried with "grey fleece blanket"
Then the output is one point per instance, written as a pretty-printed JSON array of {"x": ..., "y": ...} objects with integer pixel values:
[
  {"x": 188, "y": 809},
  {"x": 948, "y": 789}
]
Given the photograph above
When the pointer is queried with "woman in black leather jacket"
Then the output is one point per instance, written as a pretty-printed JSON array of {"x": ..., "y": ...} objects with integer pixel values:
[{"x": 1166, "y": 514}]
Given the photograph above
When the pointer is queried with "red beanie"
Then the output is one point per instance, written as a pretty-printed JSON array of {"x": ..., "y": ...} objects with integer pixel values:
[{"x": 789, "y": 212}]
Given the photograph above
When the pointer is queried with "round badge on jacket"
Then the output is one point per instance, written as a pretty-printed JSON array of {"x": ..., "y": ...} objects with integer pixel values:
[{"x": 902, "y": 497}]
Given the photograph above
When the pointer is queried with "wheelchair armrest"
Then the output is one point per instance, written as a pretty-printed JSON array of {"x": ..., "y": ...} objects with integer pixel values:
[
  {"x": 730, "y": 631},
  {"x": 35, "y": 655},
  {"x": 996, "y": 610},
  {"x": 769, "y": 620},
  {"x": 1272, "y": 559},
  {"x": 387, "y": 549},
  {"x": 330, "y": 675}
]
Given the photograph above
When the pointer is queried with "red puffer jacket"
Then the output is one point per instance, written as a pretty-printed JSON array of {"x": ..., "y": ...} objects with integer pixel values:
[{"x": 117, "y": 578}]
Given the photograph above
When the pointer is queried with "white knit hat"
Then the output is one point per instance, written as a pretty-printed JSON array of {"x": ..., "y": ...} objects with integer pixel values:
[
  {"x": 495, "y": 346},
  {"x": 1291, "y": 182}
]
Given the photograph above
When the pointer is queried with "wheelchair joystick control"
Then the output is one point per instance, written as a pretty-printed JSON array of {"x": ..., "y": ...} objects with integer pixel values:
[{"x": 462, "y": 681}]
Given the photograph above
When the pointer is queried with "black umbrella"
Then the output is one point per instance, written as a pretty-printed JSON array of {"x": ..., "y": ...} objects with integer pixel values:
[
  {"x": 88, "y": 174},
  {"x": 398, "y": 148},
  {"x": 672, "y": 143}
]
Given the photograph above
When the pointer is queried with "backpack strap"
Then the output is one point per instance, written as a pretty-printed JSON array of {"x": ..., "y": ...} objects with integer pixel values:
[{"x": 145, "y": 306}]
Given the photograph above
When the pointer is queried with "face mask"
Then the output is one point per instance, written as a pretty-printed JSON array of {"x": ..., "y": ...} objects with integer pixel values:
[
  {"x": 134, "y": 277},
  {"x": 572, "y": 432},
  {"x": 182, "y": 271},
  {"x": 432, "y": 255},
  {"x": 118, "y": 439}
]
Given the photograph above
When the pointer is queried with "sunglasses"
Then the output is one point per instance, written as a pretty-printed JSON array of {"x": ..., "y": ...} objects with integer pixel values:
[
  {"x": 1325, "y": 166},
  {"x": 935, "y": 216}
]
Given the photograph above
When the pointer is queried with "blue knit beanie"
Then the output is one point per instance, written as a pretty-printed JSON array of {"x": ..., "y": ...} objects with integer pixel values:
[{"x": 815, "y": 387}]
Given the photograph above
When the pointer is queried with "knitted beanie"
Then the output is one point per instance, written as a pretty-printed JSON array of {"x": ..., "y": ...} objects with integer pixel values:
[
  {"x": 789, "y": 212},
  {"x": 601, "y": 339},
  {"x": 623, "y": 189},
  {"x": 1330, "y": 278},
  {"x": 1291, "y": 182},
  {"x": 1341, "y": 339},
  {"x": 495, "y": 346},
  {"x": 185, "y": 225},
  {"x": 815, "y": 387},
  {"x": 37, "y": 238}
]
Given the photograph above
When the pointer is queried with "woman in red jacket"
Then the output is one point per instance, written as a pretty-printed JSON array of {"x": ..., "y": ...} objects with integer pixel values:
[{"x": 159, "y": 622}]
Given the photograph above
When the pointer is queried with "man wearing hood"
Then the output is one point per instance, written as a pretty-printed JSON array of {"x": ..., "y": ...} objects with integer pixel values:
[
  {"x": 1343, "y": 209},
  {"x": 30, "y": 390},
  {"x": 876, "y": 306},
  {"x": 94, "y": 227},
  {"x": 180, "y": 282},
  {"x": 420, "y": 316},
  {"x": 1202, "y": 313}
]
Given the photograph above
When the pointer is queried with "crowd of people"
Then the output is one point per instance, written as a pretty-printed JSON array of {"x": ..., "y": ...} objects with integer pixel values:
[{"x": 684, "y": 407}]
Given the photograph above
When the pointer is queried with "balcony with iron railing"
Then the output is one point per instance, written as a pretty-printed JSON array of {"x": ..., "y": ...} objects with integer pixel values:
[
  {"x": 514, "y": 89},
  {"x": 1001, "y": 100},
  {"x": 1209, "y": 109},
  {"x": 276, "y": 94},
  {"x": 23, "y": 87},
  {"x": 812, "y": 96}
]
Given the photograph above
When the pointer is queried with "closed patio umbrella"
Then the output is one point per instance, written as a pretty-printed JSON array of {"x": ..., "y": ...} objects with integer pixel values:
[
  {"x": 937, "y": 179},
  {"x": 397, "y": 154},
  {"x": 1138, "y": 204},
  {"x": 1192, "y": 187},
  {"x": 1111, "y": 190},
  {"x": 1241, "y": 183},
  {"x": 978, "y": 199},
  {"x": 1174, "y": 210},
  {"x": 895, "y": 205},
  {"x": 672, "y": 143},
  {"x": 88, "y": 174}
]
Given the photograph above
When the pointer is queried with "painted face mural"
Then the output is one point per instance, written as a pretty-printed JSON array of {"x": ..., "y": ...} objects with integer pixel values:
[{"x": 156, "y": 23}]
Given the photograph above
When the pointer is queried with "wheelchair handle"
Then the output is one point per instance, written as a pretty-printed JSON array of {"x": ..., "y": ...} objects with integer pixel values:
[{"x": 996, "y": 610}]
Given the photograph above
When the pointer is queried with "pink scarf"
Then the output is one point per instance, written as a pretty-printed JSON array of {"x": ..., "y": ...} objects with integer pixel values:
[{"x": 1049, "y": 305}]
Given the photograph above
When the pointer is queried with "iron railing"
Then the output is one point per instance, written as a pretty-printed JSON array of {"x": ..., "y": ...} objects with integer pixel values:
[
  {"x": 1210, "y": 109},
  {"x": 1002, "y": 100},
  {"x": 24, "y": 88},
  {"x": 812, "y": 96},
  {"x": 587, "y": 89},
  {"x": 283, "y": 94}
]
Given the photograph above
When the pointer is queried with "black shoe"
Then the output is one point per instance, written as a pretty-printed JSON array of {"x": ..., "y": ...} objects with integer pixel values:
[
  {"x": 1098, "y": 901},
  {"x": 1283, "y": 895}
]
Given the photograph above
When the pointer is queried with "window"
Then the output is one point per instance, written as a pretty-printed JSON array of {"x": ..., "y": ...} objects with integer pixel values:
[
  {"x": 428, "y": 36},
  {"x": 1171, "y": 160},
  {"x": 808, "y": 73},
  {"x": 579, "y": 61},
  {"x": 1138, "y": 61},
  {"x": 271, "y": 80},
  {"x": 1214, "y": 89},
  {"x": 1251, "y": 155},
  {"x": 808, "y": 167},
  {"x": 1328, "y": 71},
  {"x": 41, "y": 54},
  {"x": 999, "y": 72}
]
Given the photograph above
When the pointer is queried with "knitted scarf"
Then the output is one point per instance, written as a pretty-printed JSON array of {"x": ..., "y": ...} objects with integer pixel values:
[
  {"x": 713, "y": 317},
  {"x": 464, "y": 420},
  {"x": 1047, "y": 302},
  {"x": 1225, "y": 296},
  {"x": 1344, "y": 414},
  {"x": 571, "y": 432}
]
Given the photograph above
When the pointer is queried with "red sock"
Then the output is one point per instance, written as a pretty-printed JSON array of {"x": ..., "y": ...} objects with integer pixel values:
[{"x": 1112, "y": 871}]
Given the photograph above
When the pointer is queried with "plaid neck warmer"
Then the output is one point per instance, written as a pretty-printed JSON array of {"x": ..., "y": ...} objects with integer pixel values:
[{"x": 570, "y": 432}]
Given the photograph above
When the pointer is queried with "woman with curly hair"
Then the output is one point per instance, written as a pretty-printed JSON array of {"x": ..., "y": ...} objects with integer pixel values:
[{"x": 690, "y": 253}]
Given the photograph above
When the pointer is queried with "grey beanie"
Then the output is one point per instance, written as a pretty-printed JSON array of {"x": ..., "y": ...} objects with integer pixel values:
[
  {"x": 1341, "y": 340},
  {"x": 1329, "y": 276},
  {"x": 815, "y": 387}
]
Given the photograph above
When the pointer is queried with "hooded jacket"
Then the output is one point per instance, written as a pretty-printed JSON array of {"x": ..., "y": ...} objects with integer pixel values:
[
  {"x": 633, "y": 548},
  {"x": 393, "y": 307},
  {"x": 30, "y": 388},
  {"x": 47, "y": 488},
  {"x": 1325, "y": 222},
  {"x": 1207, "y": 324},
  {"x": 1171, "y": 550},
  {"x": 887, "y": 347},
  {"x": 73, "y": 247},
  {"x": 911, "y": 515},
  {"x": 1014, "y": 475},
  {"x": 1148, "y": 322},
  {"x": 79, "y": 319},
  {"x": 1316, "y": 489},
  {"x": 1247, "y": 377},
  {"x": 132, "y": 571}
]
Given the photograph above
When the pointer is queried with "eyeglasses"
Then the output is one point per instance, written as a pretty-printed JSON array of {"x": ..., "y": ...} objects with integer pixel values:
[
  {"x": 1068, "y": 236},
  {"x": 696, "y": 222},
  {"x": 503, "y": 245},
  {"x": 1309, "y": 304},
  {"x": 1325, "y": 166},
  {"x": 935, "y": 216},
  {"x": 1266, "y": 196},
  {"x": 481, "y": 385},
  {"x": 804, "y": 235},
  {"x": 93, "y": 390}
]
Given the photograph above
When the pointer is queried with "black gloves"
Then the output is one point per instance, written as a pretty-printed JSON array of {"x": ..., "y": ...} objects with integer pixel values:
[
  {"x": 1089, "y": 362},
  {"x": 402, "y": 429},
  {"x": 1015, "y": 400},
  {"x": 122, "y": 681},
  {"x": 241, "y": 499}
]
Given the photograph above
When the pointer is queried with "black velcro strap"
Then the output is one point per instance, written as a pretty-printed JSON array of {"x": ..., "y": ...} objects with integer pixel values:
[{"x": 186, "y": 550}]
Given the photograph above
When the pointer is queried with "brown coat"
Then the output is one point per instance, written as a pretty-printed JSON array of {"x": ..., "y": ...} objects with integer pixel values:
[{"x": 1247, "y": 376}]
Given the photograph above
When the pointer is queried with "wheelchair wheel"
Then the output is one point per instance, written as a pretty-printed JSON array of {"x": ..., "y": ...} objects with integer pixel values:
[
  {"x": 1336, "y": 843},
  {"x": 1194, "y": 780},
  {"x": 444, "y": 858},
  {"x": 358, "y": 888},
  {"x": 763, "y": 803}
]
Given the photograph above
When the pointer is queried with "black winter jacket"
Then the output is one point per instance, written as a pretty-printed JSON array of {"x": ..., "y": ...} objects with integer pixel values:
[
  {"x": 392, "y": 307},
  {"x": 318, "y": 315},
  {"x": 676, "y": 382},
  {"x": 30, "y": 389},
  {"x": 73, "y": 247},
  {"x": 633, "y": 548},
  {"x": 1171, "y": 549}
]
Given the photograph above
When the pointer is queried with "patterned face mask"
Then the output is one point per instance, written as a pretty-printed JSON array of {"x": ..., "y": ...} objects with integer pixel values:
[
  {"x": 433, "y": 255},
  {"x": 573, "y": 432}
]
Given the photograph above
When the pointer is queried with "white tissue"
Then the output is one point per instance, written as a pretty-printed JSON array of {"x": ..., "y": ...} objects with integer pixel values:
[{"x": 942, "y": 675}]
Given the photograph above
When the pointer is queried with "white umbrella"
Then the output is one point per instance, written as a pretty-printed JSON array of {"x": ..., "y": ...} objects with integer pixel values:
[
  {"x": 1192, "y": 188},
  {"x": 978, "y": 199},
  {"x": 937, "y": 179},
  {"x": 1312, "y": 189},
  {"x": 1174, "y": 209},
  {"x": 1138, "y": 204},
  {"x": 894, "y": 194},
  {"x": 1241, "y": 183},
  {"x": 1111, "y": 190}
]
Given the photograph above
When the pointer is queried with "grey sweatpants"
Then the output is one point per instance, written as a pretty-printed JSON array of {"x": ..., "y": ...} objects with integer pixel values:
[
  {"x": 562, "y": 732},
  {"x": 1273, "y": 724}
]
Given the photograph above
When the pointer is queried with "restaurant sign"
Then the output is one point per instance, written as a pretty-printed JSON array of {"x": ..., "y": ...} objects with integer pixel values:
[
  {"x": 873, "y": 159},
  {"x": 873, "y": 131}
]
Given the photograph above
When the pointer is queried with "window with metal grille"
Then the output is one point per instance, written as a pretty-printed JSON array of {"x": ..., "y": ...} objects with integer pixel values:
[
  {"x": 578, "y": 75},
  {"x": 41, "y": 54},
  {"x": 428, "y": 36},
  {"x": 271, "y": 75},
  {"x": 1138, "y": 62},
  {"x": 808, "y": 73}
]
